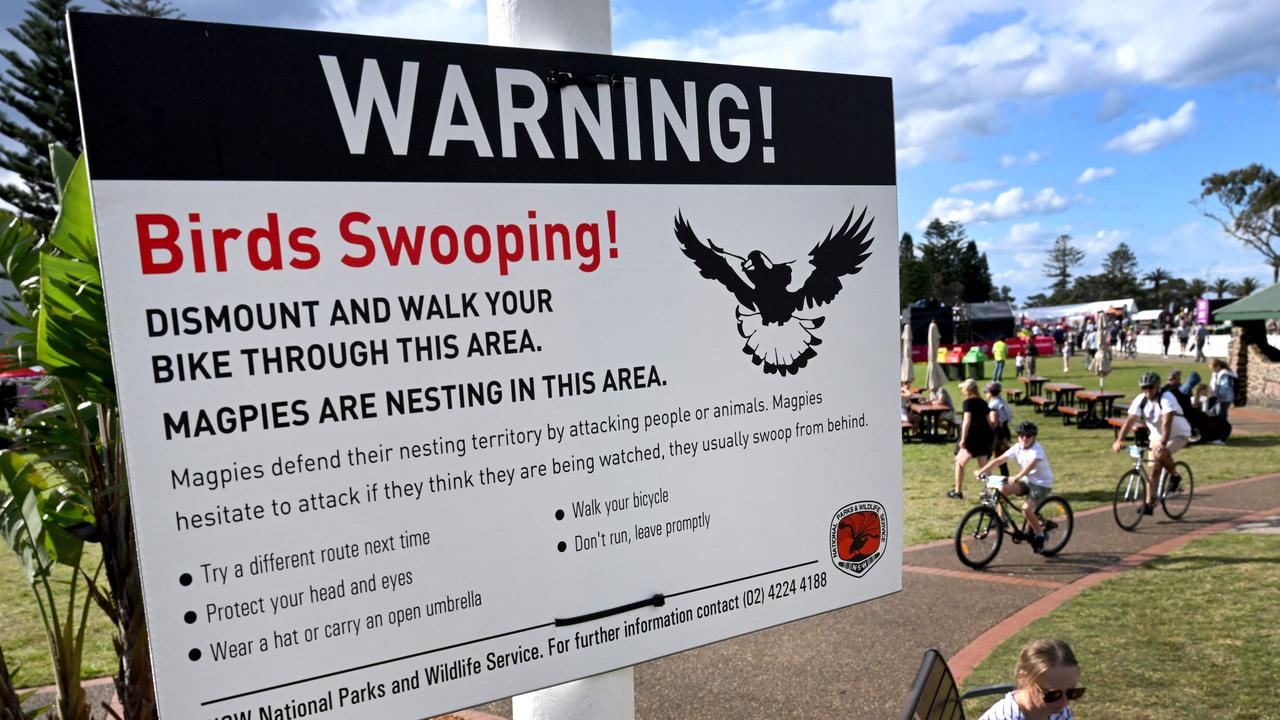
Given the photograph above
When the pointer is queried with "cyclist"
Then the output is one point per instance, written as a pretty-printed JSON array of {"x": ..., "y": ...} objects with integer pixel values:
[
  {"x": 1033, "y": 479},
  {"x": 1170, "y": 431}
]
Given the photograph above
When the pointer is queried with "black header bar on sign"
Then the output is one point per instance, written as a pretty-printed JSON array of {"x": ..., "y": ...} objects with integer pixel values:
[{"x": 174, "y": 100}]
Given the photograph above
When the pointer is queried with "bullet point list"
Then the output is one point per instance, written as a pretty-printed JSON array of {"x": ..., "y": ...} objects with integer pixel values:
[
  {"x": 184, "y": 579},
  {"x": 561, "y": 547},
  {"x": 194, "y": 654},
  {"x": 559, "y": 514},
  {"x": 190, "y": 617}
]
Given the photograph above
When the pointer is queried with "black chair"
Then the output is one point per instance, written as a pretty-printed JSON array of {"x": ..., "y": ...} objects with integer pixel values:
[{"x": 934, "y": 694}]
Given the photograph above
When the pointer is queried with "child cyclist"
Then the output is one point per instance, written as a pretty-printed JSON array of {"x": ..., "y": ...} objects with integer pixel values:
[{"x": 1033, "y": 479}]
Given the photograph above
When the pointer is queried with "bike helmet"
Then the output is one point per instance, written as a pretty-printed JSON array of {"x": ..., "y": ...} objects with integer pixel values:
[
  {"x": 1026, "y": 427},
  {"x": 1149, "y": 379}
]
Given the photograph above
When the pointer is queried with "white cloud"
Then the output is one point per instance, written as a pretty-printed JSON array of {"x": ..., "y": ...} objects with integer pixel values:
[
  {"x": 976, "y": 186},
  {"x": 1097, "y": 245},
  {"x": 1114, "y": 104},
  {"x": 1157, "y": 131},
  {"x": 773, "y": 5},
  {"x": 945, "y": 91},
  {"x": 1092, "y": 174},
  {"x": 1010, "y": 204},
  {"x": 452, "y": 20},
  {"x": 1031, "y": 158},
  {"x": 8, "y": 177}
]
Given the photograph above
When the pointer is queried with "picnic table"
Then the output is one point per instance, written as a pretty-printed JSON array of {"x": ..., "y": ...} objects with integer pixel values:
[
  {"x": 1035, "y": 386},
  {"x": 1099, "y": 405},
  {"x": 929, "y": 415},
  {"x": 1064, "y": 397}
]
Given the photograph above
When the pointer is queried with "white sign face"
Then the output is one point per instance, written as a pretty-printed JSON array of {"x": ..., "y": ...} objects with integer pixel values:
[{"x": 399, "y": 445}]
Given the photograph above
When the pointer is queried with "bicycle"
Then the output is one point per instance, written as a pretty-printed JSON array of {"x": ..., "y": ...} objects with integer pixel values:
[
  {"x": 1130, "y": 496},
  {"x": 981, "y": 531}
]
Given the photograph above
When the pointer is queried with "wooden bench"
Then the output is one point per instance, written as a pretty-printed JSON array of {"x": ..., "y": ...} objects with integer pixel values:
[
  {"x": 1015, "y": 396},
  {"x": 934, "y": 694},
  {"x": 1069, "y": 412},
  {"x": 1042, "y": 403},
  {"x": 906, "y": 432},
  {"x": 1140, "y": 434}
]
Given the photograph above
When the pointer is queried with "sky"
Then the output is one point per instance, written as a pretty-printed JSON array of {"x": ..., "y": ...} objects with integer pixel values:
[{"x": 1022, "y": 120}]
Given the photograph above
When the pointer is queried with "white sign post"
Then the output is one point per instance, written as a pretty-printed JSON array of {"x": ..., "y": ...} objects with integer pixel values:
[
  {"x": 583, "y": 26},
  {"x": 449, "y": 373}
]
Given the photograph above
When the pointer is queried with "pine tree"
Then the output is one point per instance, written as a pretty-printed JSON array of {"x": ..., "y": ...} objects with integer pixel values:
[
  {"x": 144, "y": 8},
  {"x": 41, "y": 91},
  {"x": 1062, "y": 259},
  {"x": 976, "y": 274},
  {"x": 1120, "y": 273}
]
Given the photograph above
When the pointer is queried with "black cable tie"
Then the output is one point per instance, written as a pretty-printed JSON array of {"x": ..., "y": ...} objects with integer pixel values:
[
  {"x": 560, "y": 79},
  {"x": 656, "y": 601}
]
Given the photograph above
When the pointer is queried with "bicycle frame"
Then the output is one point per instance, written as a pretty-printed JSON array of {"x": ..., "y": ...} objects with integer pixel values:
[
  {"x": 1003, "y": 505},
  {"x": 1141, "y": 459}
]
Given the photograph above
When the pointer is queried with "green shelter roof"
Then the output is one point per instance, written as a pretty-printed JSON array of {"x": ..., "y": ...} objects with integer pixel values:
[{"x": 1262, "y": 305}]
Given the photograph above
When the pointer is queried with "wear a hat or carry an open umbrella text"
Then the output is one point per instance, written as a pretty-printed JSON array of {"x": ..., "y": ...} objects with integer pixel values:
[
  {"x": 935, "y": 377},
  {"x": 908, "y": 369}
]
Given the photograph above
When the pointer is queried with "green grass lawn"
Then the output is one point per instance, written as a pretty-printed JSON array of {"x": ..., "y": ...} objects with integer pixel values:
[
  {"x": 1191, "y": 635},
  {"x": 1084, "y": 468},
  {"x": 22, "y": 633}
]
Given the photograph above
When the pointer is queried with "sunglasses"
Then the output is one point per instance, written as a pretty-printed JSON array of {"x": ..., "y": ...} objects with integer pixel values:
[{"x": 1052, "y": 696}]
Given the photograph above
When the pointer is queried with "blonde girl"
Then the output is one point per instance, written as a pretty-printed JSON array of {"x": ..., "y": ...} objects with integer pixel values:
[{"x": 1046, "y": 680}]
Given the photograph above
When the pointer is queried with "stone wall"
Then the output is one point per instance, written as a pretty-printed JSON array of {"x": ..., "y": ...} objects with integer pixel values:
[{"x": 1257, "y": 365}]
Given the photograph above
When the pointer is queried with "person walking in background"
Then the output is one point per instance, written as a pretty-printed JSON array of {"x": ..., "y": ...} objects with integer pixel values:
[
  {"x": 1223, "y": 386},
  {"x": 1032, "y": 352},
  {"x": 1202, "y": 334},
  {"x": 976, "y": 434},
  {"x": 1165, "y": 336},
  {"x": 1090, "y": 347},
  {"x": 1046, "y": 679},
  {"x": 1000, "y": 416},
  {"x": 1184, "y": 335},
  {"x": 1000, "y": 353},
  {"x": 1067, "y": 343}
]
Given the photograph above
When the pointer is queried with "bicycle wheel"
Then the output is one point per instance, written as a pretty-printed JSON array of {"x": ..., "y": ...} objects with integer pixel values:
[
  {"x": 1058, "y": 522},
  {"x": 1176, "y": 503},
  {"x": 1127, "y": 503},
  {"x": 978, "y": 537}
]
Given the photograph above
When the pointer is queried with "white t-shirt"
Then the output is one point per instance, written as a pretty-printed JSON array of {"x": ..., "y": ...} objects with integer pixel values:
[
  {"x": 1041, "y": 474},
  {"x": 1155, "y": 409},
  {"x": 1007, "y": 709}
]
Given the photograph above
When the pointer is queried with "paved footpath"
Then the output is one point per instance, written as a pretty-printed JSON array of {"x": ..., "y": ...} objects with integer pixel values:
[{"x": 858, "y": 662}]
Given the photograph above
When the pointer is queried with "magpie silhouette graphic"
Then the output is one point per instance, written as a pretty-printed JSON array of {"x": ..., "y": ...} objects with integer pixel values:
[
  {"x": 858, "y": 538},
  {"x": 778, "y": 340}
]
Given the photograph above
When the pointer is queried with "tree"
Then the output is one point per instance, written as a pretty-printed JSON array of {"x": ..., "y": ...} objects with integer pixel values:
[
  {"x": 1062, "y": 258},
  {"x": 41, "y": 90},
  {"x": 1197, "y": 288},
  {"x": 144, "y": 8},
  {"x": 1246, "y": 287},
  {"x": 975, "y": 273},
  {"x": 1156, "y": 278},
  {"x": 1221, "y": 286},
  {"x": 913, "y": 283},
  {"x": 1004, "y": 294},
  {"x": 1249, "y": 200},
  {"x": 953, "y": 268}
]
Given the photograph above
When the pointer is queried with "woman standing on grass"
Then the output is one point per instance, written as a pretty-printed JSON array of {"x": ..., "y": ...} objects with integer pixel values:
[
  {"x": 976, "y": 434},
  {"x": 1045, "y": 681}
]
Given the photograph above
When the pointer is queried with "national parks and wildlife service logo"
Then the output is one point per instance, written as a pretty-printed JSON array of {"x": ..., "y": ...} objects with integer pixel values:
[{"x": 858, "y": 533}]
